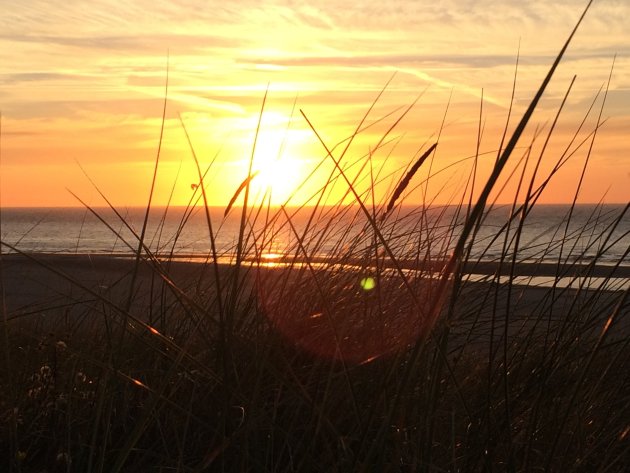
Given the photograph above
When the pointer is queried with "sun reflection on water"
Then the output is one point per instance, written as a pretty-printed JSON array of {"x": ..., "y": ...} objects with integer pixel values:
[{"x": 271, "y": 260}]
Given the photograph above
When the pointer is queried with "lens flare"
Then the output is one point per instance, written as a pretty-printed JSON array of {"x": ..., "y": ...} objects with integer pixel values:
[
  {"x": 368, "y": 283},
  {"x": 345, "y": 315}
]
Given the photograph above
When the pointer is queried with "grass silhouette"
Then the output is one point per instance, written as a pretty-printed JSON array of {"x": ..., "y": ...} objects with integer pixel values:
[{"x": 368, "y": 346}]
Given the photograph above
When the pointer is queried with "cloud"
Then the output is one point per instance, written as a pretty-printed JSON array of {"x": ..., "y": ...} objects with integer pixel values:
[
  {"x": 131, "y": 43},
  {"x": 13, "y": 79},
  {"x": 19, "y": 134},
  {"x": 363, "y": 60}
]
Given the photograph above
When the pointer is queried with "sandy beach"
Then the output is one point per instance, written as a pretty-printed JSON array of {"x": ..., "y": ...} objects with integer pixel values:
[
  {"x": 295, "y": 340},
  {"x": 66, "y": 284},
  {"x": 32, "y": 280}
]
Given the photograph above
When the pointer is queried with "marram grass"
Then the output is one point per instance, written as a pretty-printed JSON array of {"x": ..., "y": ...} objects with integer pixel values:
[{"x": 383, "y": 356}]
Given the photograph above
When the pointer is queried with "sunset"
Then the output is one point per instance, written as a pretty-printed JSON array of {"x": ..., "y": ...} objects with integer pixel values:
[
  {"x": 83, "y": 86},
  {"x": 327, "y": 236}
]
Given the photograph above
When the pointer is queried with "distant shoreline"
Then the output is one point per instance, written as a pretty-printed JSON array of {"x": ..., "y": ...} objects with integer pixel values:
[
  {"x": 488, "y": 268},
  {"x": 33, "y": 281}
]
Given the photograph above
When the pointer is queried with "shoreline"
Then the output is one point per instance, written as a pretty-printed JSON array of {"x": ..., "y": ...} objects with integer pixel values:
[
  {"x": 48, "y": 292},
  {"x": 31, "y": 282},
  {"x": 482, "y": 268}
]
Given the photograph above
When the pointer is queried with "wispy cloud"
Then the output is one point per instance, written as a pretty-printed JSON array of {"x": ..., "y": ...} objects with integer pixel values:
[
  {"x": 188, "y": 43},
  {"x": 12, "y": 79}
]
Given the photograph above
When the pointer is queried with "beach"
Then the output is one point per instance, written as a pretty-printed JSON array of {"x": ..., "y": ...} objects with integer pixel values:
[
  {"x": 64, "y": 284},
  {"x": 307, "y": 354}
]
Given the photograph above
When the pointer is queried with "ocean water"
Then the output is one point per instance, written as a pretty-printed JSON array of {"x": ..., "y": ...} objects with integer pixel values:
[{"x": 593, "y": 232}]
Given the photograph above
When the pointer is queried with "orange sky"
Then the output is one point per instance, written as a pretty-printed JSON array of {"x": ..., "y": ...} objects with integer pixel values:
[{"x": 82, "y": 87}]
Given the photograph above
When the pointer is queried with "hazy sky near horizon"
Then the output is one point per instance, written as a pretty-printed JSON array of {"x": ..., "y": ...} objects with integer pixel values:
[{"x": 82, "y": 86}]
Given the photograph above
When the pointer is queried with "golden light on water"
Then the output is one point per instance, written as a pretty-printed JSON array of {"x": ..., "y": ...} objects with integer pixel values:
[{"x": 271, "y": 260}]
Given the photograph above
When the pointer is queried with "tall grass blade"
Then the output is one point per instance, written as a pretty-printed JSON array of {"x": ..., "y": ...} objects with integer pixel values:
[
  {"x": 240, "y": 188},
  {"x": 407, "y": 179}
]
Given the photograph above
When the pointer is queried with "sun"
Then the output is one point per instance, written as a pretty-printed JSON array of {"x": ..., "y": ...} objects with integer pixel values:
[
  {"x": 278, "y": 173},
  {"x": 278, "y": 177}
]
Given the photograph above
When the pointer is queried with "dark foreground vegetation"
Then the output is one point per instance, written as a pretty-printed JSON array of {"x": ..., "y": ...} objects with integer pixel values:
[{"x": 385, "y": 356}]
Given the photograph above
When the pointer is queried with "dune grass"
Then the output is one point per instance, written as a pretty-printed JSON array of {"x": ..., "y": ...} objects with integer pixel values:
[{"x": 384, "y": 355}]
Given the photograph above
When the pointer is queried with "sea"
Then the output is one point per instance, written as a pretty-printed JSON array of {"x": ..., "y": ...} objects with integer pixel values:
[{"x": 583, "y": 234}]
